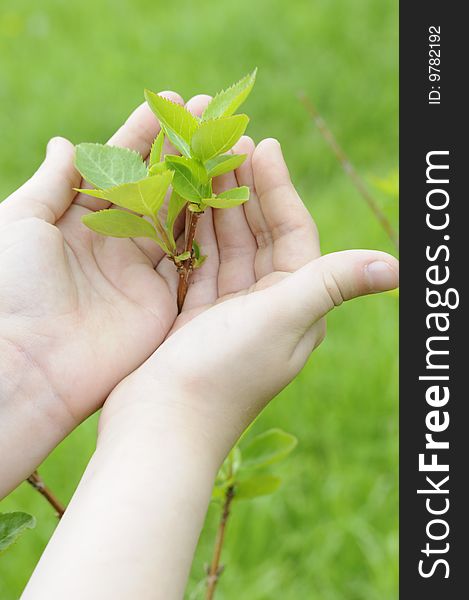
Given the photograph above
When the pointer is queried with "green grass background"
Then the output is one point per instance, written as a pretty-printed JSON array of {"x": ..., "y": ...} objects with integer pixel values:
[{"x": 77, "y": 69}]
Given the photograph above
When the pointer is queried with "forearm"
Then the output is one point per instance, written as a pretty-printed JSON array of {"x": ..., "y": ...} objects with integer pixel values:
[
  {"x": 133, "y": 524},
  {"x": 32, "y": 420}
]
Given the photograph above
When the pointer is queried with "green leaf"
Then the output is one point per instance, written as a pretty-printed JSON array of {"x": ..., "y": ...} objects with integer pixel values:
[
  {"x": 238, "y": 193},
  {"x": 107, "y": 166},
  {"x": 218, "y": 136},
  {"x": 177, "y": 122},
  {"x": 198, "y": 262},
  {"x": 229, "y": 468},
  {"x": 157, "y": 169},
  {"x": 12, "y": 525},
  {"x": 258, "y": 485},
  {"x": 267, "y": 448},
  {"x": 228, "y": 199},
  {"x": 145, "y": 196},
  {"x": 175, "y": 205},
  {"x": 182, "y": 257},
  {"x": 228, "y": 101},
  {"x": 156, "y": 149},
  {"x": 224, "y": 163},
  {"x": 196, "y": 248},
  {"x": 190, "y": 178},
  {"x": 118, "y": 223},
  {"x": 196, "y": 207},
  {"x": 218, "y": 493}
]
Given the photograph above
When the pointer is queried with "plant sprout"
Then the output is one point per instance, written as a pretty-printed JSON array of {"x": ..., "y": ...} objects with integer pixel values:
[{"x": 121, "y": 176}]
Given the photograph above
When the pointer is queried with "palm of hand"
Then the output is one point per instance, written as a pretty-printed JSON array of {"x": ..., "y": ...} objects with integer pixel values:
[
  {"x": 253, "y": 246},
  {"x": 84, "y": 310},
  {"x": 89, "y": 309},
  {"x": 248, "y": 248}
]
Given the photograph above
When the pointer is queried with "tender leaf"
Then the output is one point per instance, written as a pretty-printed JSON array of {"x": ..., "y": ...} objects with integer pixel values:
[
  {"x": 218, "y": 136},
  {"x": 156, "y": 149},
  {"x": 228, "y": 199},
  {"x": 118, "y": 223},
  {"x": 196, "y": 207},
  {"x": 238, "y": 193},
  {"x": 182, "y": 257},
  {"x": 196, "y": 248},
  {"x": 157, "y": 168},
  {"x": 145, "y": 196},
  {"x": 227, "y": 102},
  {"x": 217, "y": 202},
  {"x": 236, "y": 459},
  {"x": 107, "y": 166},
  {"x": 224, "y": 164},
  {"x": 229, "y": 467},
  {"x": 198, "y": 262},
  {"x": 12, "y": 525},
  {"x": 175, "y": 205},
  {"x": 218, "y": 493},
  {"x": 267, "y": 448},
  {"x": 257, "y": 485},
  {"x": 190, "y": 178},
  {"x": 177, "y": 122}
]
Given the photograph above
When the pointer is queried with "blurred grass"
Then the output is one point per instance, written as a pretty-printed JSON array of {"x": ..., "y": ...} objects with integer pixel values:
[{"x": 77, "y": 70}]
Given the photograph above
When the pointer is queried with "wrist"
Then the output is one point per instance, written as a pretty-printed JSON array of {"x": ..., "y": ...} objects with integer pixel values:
[
  {"x": 29, "y": 410},
  {"x": 143, "y": 405},
  {"x": 134, "y": 521}
]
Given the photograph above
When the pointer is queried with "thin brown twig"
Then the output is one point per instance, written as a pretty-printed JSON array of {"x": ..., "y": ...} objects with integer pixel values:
[
  {"x": 350, "y": 169},
  {"x": 215, "y": 569},
  {"x": 36, "y": 481},
  {"x": 186, "y": 268}
]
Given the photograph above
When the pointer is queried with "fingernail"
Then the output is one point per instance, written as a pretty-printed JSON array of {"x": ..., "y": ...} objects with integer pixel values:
[{"x": 381, "y": 276}]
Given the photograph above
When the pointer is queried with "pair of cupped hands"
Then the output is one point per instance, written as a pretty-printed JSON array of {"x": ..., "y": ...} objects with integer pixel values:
[{"x": 87, "y": 320}]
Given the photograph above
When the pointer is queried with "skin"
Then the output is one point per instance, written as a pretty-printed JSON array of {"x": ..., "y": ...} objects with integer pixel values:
[
  {"x": 70, "y": 301},
  {"x": 252, "y": 316}
]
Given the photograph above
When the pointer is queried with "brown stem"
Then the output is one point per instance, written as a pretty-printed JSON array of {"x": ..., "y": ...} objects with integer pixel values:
[
  {"x": 215, "y": 570},
  {"x": 38, "y": 484},
  {"x": 186, "y": 267},
  {"x": 350, "y": 170}
]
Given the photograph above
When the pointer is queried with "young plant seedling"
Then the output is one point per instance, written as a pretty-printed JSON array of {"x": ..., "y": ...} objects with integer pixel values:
[
  {"x": 245, "y": 475},
  {"x": 123, "y": 178}
]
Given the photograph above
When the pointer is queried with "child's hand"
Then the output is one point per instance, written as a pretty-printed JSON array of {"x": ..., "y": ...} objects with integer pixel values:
[
  {"x": 78, "y": 311},
  {"x": 252, "y": 316},
  {"x": 253, "y": 313}
]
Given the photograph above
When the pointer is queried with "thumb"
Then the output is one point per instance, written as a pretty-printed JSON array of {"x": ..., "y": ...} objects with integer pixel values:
[
  {"x": 49, "y": 192},
  {"x": 312, "y": 291}
]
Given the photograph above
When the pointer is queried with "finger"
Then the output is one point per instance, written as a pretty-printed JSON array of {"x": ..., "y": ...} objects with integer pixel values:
[
  {"x": 263, "y": 264},
  {"x": 310, "y": 293},
  {"x": 290, "y": 229},
  {"x": 203, "y": 282},
  {"x": 197, "y": 104},
  {"x": 236, "y": 244},
  {"x": 137, "y": 133},
  {"x": 49, "y": 192}
]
